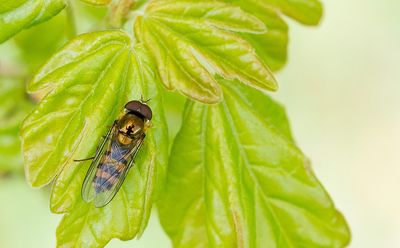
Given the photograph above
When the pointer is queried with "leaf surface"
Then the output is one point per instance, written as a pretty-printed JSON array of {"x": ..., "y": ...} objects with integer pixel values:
[
  {"x": 270, "y": 46},
  {"x": 87, "y": 83},
  {"x": 237, "y": 179},
  {"x": 193, "y": 40},
  {"x": 308, "y": 12},
  {"x": 97, "y": 2},
  {"x": 21, "y": 14}
]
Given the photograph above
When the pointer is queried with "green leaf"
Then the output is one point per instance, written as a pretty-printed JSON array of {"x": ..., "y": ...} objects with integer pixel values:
[
  {"x": 20, "y": 14},
  {"x": 193, "y": 40},
  {"x": 82, "y": 81},
  {"x": 271, "y": 46},
  {"x": 237, "y": 179},
  {"x": 14, "y": 106},
  {"x": 87, "y": 84},
  {"x": 85, "y": 51},
  {"x": 97, "y": 2},
  {"x": 308, "y": 12},
  {"x": 305, "y": 11}
]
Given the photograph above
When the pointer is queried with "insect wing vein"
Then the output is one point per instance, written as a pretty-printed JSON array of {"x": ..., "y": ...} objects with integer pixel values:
[
  {"x": 115, "y": 173},
  {"x": 88, "y": 192}
]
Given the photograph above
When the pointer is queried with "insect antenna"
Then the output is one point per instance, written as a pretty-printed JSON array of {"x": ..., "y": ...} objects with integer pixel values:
[{"x": 144, "y": 101}]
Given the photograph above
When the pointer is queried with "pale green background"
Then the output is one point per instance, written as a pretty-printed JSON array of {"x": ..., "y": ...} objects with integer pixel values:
[{"x": 341, "y": 89}]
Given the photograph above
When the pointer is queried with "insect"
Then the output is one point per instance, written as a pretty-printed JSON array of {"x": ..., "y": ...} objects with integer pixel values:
[{"x": 115, "y": 155}]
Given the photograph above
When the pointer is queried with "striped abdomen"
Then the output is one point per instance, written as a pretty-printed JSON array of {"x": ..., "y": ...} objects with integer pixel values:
[{"x": 110, "y": 168}]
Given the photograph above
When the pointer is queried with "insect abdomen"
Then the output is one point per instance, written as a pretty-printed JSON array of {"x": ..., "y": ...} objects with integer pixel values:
[
  {"x": 109, "y": 170},
  {"x": 106, "y": 176}
]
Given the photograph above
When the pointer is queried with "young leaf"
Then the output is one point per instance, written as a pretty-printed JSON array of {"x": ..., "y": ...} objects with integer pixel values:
[
  {"x": 192, "y": 40},
  {"x": 237, "y": 179},
  {"x": 20, "y": 14},
  {"x": 14, "y": 106},
  {"x": 87, "y": 84},
  {"x": 308, "y": 12},
  {"x": 97, "y": 2},
  {"x": 127, "y": 214},
  {"x": 270, "y": 46}
]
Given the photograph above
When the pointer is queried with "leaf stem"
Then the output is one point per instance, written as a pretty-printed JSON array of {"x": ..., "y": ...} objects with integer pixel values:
[{"x": 119, "y": 10}]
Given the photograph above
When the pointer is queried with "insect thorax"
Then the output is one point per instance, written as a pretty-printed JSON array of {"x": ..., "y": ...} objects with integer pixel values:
[{"x": 130, "y": 127}]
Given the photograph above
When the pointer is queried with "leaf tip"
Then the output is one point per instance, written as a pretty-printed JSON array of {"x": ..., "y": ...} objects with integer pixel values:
[
  {"x": 210, "y": 97},
  {"x": 269, "y": 84},
  {"x": 273, "y": 85},
  {"x": 315, "y": 15}
]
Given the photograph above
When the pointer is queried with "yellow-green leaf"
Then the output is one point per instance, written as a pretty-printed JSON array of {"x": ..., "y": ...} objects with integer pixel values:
[
  {"x": 87, "y": 84},
  {"x": 305, "y": 11},
  {"x": 270, "y": 46},
  {"x": 20, "y": 14},
  {"x": 97, "y": 2},
  {"x": 192, "y": 40},
  {"x": 237, "y": 179}
]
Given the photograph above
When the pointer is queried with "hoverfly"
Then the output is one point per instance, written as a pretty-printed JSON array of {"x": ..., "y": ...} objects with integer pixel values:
[{"x": 115, "y": 155}]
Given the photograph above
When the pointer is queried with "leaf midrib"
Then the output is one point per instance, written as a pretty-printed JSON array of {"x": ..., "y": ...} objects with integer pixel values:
[
  {"x": 216, "y": 23},
  {"x": 255, "y": 179},
  {"x": 279, "y": 134}
]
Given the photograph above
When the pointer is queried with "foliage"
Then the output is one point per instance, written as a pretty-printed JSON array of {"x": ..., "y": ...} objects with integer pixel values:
[
  {"x": 14, "y": 106},
  {"x": 235, "y": 175},
  {"x": 21, "y": 14},
  {"x": 185, "y": 35},
  {"x": 87, "y": 83},
  {"x": 34, "y": 52},
  {"x": 244, "y": 182}
]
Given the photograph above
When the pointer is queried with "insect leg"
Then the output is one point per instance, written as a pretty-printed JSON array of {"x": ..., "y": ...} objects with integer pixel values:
[
  {"x": 91, "y": 158},
  {"x": 85, "y": 159},
  {"x": 99, "y": 146}
]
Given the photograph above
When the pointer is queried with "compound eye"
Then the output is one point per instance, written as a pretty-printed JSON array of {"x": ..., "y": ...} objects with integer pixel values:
[
  {"x": 133, "y": 106},
  {"x": 145, "y": 110}
]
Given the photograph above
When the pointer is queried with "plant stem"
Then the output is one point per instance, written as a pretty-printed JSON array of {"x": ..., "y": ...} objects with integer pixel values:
[{"x": 119, "y": 10}]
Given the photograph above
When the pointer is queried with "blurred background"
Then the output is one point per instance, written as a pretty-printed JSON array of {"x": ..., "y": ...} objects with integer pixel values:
[{"x": 341, "y": 89}]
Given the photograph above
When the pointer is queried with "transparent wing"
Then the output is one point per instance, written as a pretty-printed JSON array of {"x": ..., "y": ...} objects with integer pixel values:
[
  {"x": 88, "y": 192},
  {"x": 112, "y": 173}
]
